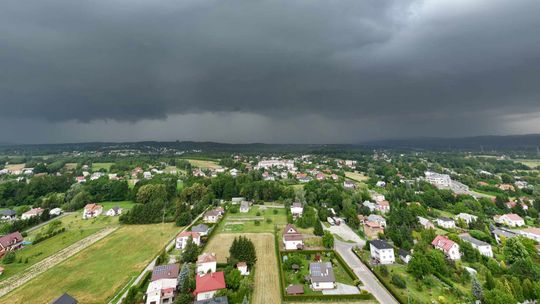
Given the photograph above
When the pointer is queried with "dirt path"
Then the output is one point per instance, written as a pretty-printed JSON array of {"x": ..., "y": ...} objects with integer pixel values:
[{"x": 17, "y": 280}]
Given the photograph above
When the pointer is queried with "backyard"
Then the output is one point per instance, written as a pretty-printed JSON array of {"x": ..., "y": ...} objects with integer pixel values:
[{"x": 266, "y": 217}]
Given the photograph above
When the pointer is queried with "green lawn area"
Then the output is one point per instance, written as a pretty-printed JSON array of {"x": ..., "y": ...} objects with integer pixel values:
[
  {"x": 126, "y": 205},
  {"x": 98, "y": 272},
  {"x": 76, "y": 230},
  {"x": 99, "y": 166},
  {"x": 245, "y": 222},
  {"x": 295, "y": 278},
  {"x": 204, "y": 164},
  {"x": 419, "y": 290},
  {"x": 531, "y": 163}
]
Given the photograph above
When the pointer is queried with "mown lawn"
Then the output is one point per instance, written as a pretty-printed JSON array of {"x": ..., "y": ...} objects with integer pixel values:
[
  {"x": 204, "y": 164},
  {"x": 99, "y": 166},
  {"x": 98, "y": 272},
  {"x": 245, "y": 222},
  {"x": 531, "y": 163},
  {"x": 76, "y": 230}
]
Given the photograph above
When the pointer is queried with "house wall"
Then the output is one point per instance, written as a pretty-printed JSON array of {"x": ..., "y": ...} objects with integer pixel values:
[
  {"x": 205, "y": 267},
  {"x": 292, "y": 245},
  {"x": 322, "y": 285},
  {"x": 206, "y": 295}
]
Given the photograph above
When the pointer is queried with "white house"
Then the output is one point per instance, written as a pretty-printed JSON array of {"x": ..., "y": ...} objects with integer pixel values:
[
  {"x": 297, "y": 210},
  {"x": 445, "y": 222},
  {"x": 382, "y": 252},
  {"x": 8, "y": 214},
  {"x": 31, "y": 213},
  {"x": 322, "y": 276},
  {"x": 532, "y": 233},
  {"x": 182, "y": 239},
  {"x": 372, "y": 207},
  {"x": 292, "y": 240},
  {"x": 161, "y": 291},
  {"x": 349, "y": 185},
  {"x": 483, "y": 247},
  {"x": 208, "y": 284},
  {"x": 162, "y": 287},
  {"x": 449, "y": 247},
  {"x": 377, "y": 219},
  {"x": 114, "y": 211},
  {"x": 377, "y": 197},
  {"x": 383, "y": 206},
  {"x": 427, "y": 224},
  {"x": 206, "y": 262},
  {"x": 55, "y": 211},
  {"x": 92, "y": 210},
  {"x": 404, "y": 255},
  {"x": 212, "y": 216},
  {"x": 510, "y": 219},
  {"x": 244, "y": 207},
  {"x": 467, "y": 218},
  {"x": 437, "y": 179},
  {"x": 243, "y": 268}
]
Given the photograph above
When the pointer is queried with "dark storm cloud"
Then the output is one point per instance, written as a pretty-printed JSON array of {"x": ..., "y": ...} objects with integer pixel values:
[{"x": 412, "y": 64}]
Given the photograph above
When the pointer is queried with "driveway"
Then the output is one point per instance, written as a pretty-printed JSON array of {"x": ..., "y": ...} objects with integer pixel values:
[
  {"x": 346, "y": 233},
  {"x": 371, "y": 283},
  {"x": 342, "y": 289}
]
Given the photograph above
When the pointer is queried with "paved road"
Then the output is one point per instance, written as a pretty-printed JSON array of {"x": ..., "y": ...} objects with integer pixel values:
[
  {"x": 371, "y": 283},
  {"x": 150, "y": 266}
]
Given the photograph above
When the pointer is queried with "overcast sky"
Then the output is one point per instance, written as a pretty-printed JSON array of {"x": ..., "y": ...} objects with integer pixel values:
[{"x": 306, "y": 71}]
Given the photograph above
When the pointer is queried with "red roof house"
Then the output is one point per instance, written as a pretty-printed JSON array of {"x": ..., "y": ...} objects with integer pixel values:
[{"x": 208, "y": 284}]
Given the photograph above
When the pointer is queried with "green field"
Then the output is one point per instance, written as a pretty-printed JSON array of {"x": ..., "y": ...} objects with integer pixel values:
[
  {"x": 204, "y": 164},
  {"x": 245, "y": 222},
  {"x": 98, "y": 272},
  {"x": 531, "y": 163},
  {"x": 76, "y": 230},
  {"x": 99, "y": 166}
]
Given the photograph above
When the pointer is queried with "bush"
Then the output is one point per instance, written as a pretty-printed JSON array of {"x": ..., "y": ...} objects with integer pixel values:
[
  {"x": 398, "y": 281},
  {"x": 268, "y": 220},
  {"x": 383, "y": 270},
  {"x": 9, "y": 258},
  {"x": 258, "y": 213},
  {"x": 257, "y": 223},
  {"x": 275, "y": 211}
]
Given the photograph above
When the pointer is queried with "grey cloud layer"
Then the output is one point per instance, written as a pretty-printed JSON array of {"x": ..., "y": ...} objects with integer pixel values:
[{"x": 411, "y": 62}]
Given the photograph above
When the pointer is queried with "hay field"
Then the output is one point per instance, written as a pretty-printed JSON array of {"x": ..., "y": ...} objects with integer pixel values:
[
  {"x": 356, "y": 176},
  {"x": 15, "y": 167},
  {"x": 204, "y": 164},
  {"x": 266, "y": 269}
]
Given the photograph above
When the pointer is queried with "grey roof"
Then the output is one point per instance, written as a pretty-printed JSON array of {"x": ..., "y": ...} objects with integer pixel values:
[
  {"x": 199, "y": 228},
  {"x": 321, "y": 272},
  {"x": 503, "y": 232},
  {"x": 8, "y": 212},
  {"x": 218, "y": 300},
  {"x": 65, "y": 299},
  {"x": 403, "y": 252},
  {"x": 380, "y": 244},
  {"x": 375, "y": 218},
  {"x": 443, "y": 218},
  {"x": 470, "y": 239}
]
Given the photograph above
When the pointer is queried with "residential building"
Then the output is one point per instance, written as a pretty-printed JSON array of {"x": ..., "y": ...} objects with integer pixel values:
[
  {"x": 377, "y": 219},
  {"x": 370, "y": 205},
  {"x": 321, "y": 276},
  {"x": 377, "y": 197},
  {"x": 243, "y": 268},
  {"x": 349, "y": 184},
  {"x": 212, "y": 216},
  {"x": 467, "y": 218},
  {"x": 114, "y": 211},
  {"x": 500, "y": 233},
  {"x": 437, "y": 179},
  {"x": 294, "y": 289},
  {"x": 55, "y": 211},
  {"x": 446, "y": 223},
  {"x": 382, "y": 252},
  {"x": 206, "y": 262},
  {"x": 216, "y": 300},
  {"x": 427, "y": 224},
  {"x": 161, "y": 291},
  {"x": 182, "y": 239},
  {"x": 169, "y": 271},
  {"x": 532, "y": 233},
  {"x": 244, "y": 207},
  {"x": 208, "y": 284},
  {"x": 383, "y": 206},
  {"x": 292, "y": 239},
  {"x": 92, "y": 210},
  {"x": 10, "y": 242},
  {"x": 449, "y": 247},
  {"x": 8, "y": 214},
  {"x": 483, "y": 247},
  {"x": 404, "y": 255},
  {"x": 65, "y": 299},
  {"x": 510, "y": 220},
  {"x": 297, "y": 210},
  {"x": 202, "y": 229},
  {"x": 31, "y": 213},
  {"x": 372, "y": 229}
]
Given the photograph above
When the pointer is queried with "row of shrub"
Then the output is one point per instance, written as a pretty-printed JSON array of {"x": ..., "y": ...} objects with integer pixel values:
[{"x": 41, "y": 238}]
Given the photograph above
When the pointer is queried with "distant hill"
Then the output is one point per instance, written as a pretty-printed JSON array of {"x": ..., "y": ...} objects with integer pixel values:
[{"x": 528, "y": 142}]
